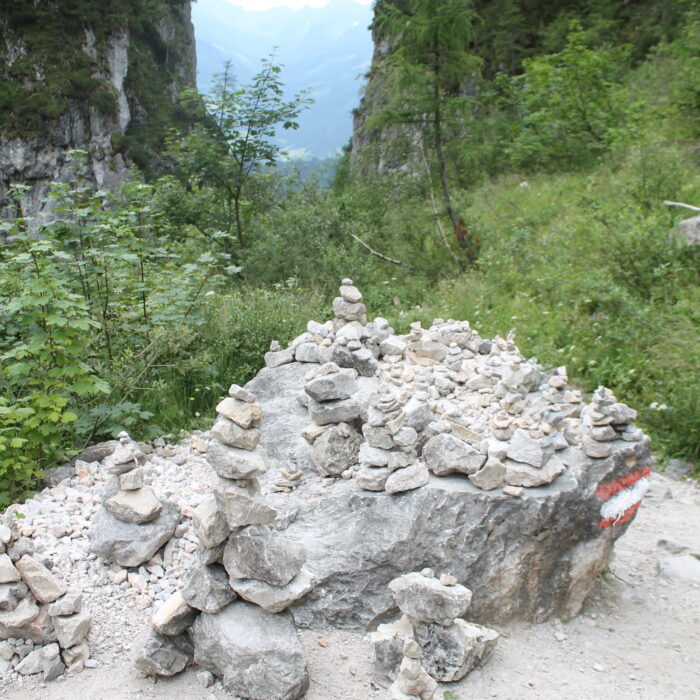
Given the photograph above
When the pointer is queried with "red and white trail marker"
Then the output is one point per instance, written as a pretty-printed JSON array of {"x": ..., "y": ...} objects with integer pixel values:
[{"x": 622, "y": 497}]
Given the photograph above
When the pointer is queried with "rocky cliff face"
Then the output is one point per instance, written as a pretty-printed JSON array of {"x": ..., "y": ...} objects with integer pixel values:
[{"x": 102, "y": 78}]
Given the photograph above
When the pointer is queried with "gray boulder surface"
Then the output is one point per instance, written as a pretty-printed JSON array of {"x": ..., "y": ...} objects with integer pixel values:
[
  {"x": 530, "y": 557},
  {"x": 130, "y": 544},
  {"x": 257, "y": 654}
]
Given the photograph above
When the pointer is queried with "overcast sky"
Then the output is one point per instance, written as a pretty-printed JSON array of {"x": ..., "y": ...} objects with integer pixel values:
[{"x": 294, "y": 4}]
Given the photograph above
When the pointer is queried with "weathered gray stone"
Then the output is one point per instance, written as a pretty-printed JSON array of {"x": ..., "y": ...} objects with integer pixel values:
[
  {"x": 131, "y": 480},
  {"x": 392, "y": 346},
  {"x": 243, "y": 413},
  {"x": 378, "y": 437},
  {"x": 524, "y": 448},
  {"x": 490, "y": 476},
  {"x": 8, "y": 571},
  {"x": 595, "y": 449},
  {"x": 449, "y": 653},
  {"x": 447, "y": 454},
  {"x": 690, "y": 230},
  {"x": 408, "y": 478},
  {"x": 160, "y": 656},
  {"x": 278, "y": 358},
  {"x": 337, "y": 411},
  {"x": 209, "y": 524},
  {"x": 347, "y": 310},
  {"x": 128, "y": 544},
  {"x": 69, "y": 603},
  {"x": 238, "y": 392},
  {"x": 233, "y": 435},
  {"x": 236, "y": 463},
  {"x": 388, "y": 641},
  {"x": 330, "y": 387},
  {"x": 274, "y": 599},
  {"x": 39, "y": 629},
  {"x": 31, "y": 664},
  {"x": 206, "y": 588},
  {"x": 335, "y": 450},
  {"x": 684, "y": 567},
  {"x": 139, "y": 506},
  {"x": 425, "y": 599},
  {"x": 255, "y": 653},
  {"x": 361, "y": 360},
  {"x": 520, "y": 474},
  {"x": 373, "y": 478},
  {"x": 258, "y": 552},
  {"x": 42, "y": 583},
  {"x": 72, "y": 629},
  {"x": 52, "y": 668},
  {"x": 372, "y": 456},
  {"x": 75, "y": 657},
  {"x": 173, "y": 616},
  {"x": 241, "y": 504}
]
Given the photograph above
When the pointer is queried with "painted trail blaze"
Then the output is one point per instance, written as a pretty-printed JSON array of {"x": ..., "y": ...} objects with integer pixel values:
[{"x": 622, "y": 497}]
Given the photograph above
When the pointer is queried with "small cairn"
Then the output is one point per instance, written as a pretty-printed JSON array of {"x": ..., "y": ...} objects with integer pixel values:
[
  {"x": 240, "y": 556},
  {"x": 449, "y": 646},
  {"x": 43, "y": 622},
  {"x": 413, "y": 680},
  {"x": 133, "y": 523},
  {"x": 605, "y": 420},
  {"x": 334, "y": 442}
]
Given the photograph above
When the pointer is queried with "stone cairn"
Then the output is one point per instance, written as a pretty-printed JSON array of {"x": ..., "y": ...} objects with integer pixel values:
[
  {"x": 43, "y": 622},
  {"x": 230, "y": 615},
  {"x": 430, "y": 642},
  {"x": 449, "y": 402},
  {"x": 133, "y": 523}
]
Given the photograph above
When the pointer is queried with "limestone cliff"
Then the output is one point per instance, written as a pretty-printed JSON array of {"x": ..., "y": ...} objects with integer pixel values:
[{"x": 96, "y": 76}]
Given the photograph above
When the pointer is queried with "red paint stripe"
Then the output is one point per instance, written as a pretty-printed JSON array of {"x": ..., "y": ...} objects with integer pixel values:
[
  {"x": 627, "y": 515},
  {"x": 605, "y": 491}
]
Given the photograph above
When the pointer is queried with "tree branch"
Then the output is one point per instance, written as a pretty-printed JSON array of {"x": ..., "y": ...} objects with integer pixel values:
[
  {"x": 379, "y": 255},
  {"x": 680, "y": 204}
]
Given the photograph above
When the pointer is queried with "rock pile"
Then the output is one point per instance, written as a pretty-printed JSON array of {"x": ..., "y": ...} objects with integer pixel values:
[
  {"x": 133, "y": 523},
  {"x": 432, "y": 628},
  {"x": 41, "y": 620},
  {"x": 251, "y": 644}
]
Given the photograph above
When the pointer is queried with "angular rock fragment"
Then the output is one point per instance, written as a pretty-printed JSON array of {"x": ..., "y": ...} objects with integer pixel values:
[
  {"x": 209, "y": 524},
  {"x": 258, "y": 552},
  {"x": 8, "y": 571},
  {"x": 138, "y": 506},
  {"x": 41, "y": 582},
  {"x": 173, "y": 616},
  {"x": 71, "y": 629},
  {"x": 335, "y": 450},
  {"x": 447, "y": 454},
  {"x": 206, "y": 588},
  {"x": 336, "y": 411},
  {"x": 425, "y": 599},
  {"x": 341, "y": 384},
  {"x": 233, "y": 435},
  {"x": 160, "y": 656},
  {"x": 255, "y": 653},
  {"x": 408, "y": 478},
  {"x": 236, "y": 463},
  {"x": 241, "y": 504},
  {"x": 246, "y": 414},
  {"x": 274, "y": 599},
  {"x": 129, "y": 544}
]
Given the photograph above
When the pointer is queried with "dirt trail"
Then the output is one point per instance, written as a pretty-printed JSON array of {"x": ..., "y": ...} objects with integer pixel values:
[{"x": 638, "y": 637}]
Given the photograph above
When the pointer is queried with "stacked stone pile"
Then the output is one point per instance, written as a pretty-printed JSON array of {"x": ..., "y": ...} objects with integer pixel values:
[
  {"x": 333, "y": 440},
  {"x": 240, "y": 556},
  {"x": 604, "y": 420},
  {"x": 43, "y": 622},
  {"x": 133, "y": 523},
  {"x": 431, "y": 624}
]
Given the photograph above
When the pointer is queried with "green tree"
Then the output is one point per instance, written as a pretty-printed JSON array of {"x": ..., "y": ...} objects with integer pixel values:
[
  {"x": 432, "y": 65},
  {"x": 570, "y": 105},
  {"x": 218, "y": 159}
]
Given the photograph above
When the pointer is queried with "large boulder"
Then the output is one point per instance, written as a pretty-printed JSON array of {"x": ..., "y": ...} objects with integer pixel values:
[
  {"x": 130, "y": 544},
  {"x": 257, "y": 654},
  {"x": 529, "y": 557}
]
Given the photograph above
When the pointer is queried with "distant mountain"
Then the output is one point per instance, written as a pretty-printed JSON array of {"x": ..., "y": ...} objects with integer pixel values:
[{"x": 324, "y": 49}]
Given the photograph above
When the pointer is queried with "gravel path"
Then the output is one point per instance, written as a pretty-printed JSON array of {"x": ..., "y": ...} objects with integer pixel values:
[{"x": 638, "y": 637}]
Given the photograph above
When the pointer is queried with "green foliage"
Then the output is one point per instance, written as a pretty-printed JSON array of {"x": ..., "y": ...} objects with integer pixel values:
[
  {"x": 570, "y": 105},
  {"x": 218, "y": 160}
]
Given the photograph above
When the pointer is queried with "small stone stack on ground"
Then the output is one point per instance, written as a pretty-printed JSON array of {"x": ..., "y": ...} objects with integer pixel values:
[
  {"x": 334, "y": 442},
  {"x": 240, "y": 556},
  {"x": 432, "y": 609},
  {"x": 43, "y": 622},
  {"x": 133, "y": 523}
]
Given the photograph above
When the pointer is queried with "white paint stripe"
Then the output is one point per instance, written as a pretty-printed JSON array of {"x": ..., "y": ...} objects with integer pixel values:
[{"x": 616, "y": 505}]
